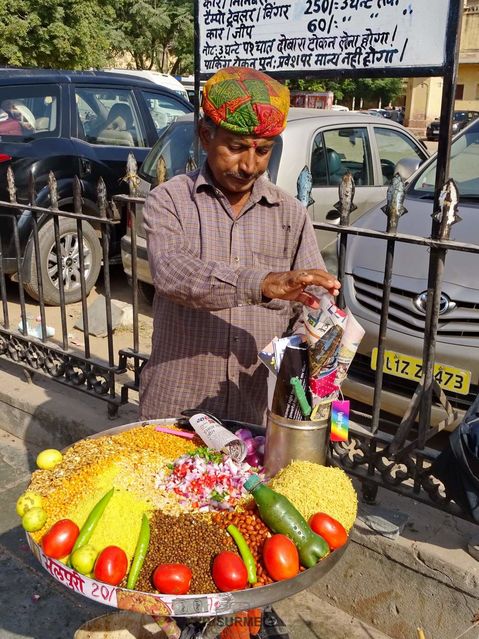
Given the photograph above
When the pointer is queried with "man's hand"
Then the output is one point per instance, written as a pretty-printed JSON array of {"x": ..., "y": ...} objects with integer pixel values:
[{"x": 290, "y": 285}]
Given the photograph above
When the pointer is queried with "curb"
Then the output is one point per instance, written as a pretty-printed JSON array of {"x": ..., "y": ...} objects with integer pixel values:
[{"x": 51, "y": 414}]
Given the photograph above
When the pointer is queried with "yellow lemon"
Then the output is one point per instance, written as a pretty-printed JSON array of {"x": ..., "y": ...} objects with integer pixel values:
[
  {"x": 49, "y": 458},
  {"x": 27, "y": 501},
  {"x": 34, "y": 519}
]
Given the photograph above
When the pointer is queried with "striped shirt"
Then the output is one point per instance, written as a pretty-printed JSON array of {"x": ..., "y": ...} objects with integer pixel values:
[{"x": 209, "y": 318}]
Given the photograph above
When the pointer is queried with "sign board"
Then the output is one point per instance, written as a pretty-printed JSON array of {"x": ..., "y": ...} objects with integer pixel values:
[{"x": 324, "y": 37}]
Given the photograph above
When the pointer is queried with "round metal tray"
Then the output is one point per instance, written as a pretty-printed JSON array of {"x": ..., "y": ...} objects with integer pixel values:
[{"x": 205, "y": 605}]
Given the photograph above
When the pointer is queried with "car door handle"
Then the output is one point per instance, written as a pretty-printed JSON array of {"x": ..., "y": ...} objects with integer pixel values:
[{"x": 85, "y": 166}]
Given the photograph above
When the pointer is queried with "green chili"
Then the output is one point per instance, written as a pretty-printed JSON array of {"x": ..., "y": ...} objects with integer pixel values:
[
  {"x": 245, "y": 553},
  {"x": 140, "y": 553},
  {"x": 93, "y": 518}
]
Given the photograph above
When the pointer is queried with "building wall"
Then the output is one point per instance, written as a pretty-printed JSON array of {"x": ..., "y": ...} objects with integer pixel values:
[
  {"x": 468, "y": 77},
  {"x": 423, "y": 96}
]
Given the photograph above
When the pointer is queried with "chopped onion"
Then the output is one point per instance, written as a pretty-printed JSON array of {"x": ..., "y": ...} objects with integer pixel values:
[{"x": 244, "y": 434}]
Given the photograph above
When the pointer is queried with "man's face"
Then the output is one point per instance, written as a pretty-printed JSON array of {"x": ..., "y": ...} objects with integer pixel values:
[{"x": 236, "y": 161}]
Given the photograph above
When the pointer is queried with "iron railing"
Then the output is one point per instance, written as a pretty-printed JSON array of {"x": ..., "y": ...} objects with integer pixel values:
[
  {"x": 30, "y": 345},
  {"x": 399, "y": 461}
]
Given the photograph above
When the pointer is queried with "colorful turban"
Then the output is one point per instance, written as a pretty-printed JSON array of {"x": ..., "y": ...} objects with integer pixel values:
[{"x": 246, "y": 102}]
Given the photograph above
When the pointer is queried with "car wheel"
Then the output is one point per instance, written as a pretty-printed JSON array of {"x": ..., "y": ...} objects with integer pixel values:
[{"x": 70, "y": 256}]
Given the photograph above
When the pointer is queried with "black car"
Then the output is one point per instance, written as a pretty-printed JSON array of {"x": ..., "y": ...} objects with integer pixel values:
[
  {"x": 72, "y": 123},
  {"x": 460, "y": 119}
]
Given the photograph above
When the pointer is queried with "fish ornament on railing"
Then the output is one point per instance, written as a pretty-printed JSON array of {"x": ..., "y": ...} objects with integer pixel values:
[
  {"x": 131, "y": 176},
  {"x": 190, "y": 164},
  {"x": 304, "y": 186},
  {"x": 346, "y": 190},
  {"x": 161, "y": 170},
  {"x": 447, "y": 214},
  {"x": 394, "y": 206}
]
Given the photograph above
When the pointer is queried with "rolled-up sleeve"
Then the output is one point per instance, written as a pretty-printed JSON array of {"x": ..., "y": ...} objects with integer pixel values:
[{"x": 184, "y": 278}]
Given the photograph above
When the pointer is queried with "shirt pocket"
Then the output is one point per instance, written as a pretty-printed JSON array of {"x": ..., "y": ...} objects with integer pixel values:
[{"x": 276, "y": 263}]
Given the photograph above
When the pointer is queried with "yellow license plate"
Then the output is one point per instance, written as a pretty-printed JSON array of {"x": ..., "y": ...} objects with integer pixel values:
[{"x": 399, "y": 365}]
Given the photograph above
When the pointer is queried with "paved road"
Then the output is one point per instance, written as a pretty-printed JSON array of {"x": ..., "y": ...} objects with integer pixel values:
[{"x": 32, "y": 604}]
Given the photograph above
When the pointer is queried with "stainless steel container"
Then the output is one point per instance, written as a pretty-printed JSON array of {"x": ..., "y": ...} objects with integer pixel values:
[{"x": 288, "y": 439}]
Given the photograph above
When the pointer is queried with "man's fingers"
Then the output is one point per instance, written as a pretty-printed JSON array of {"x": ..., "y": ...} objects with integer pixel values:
[
  {"x": 316, "y": 278},
  {"x": 308, "y": 300}
]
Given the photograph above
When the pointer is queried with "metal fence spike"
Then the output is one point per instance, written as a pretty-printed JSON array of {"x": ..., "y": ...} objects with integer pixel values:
[
  {"x": 12, "y": 190},
  {"x": 77, "y": 198},
  {"x": 53, "y": 188},
  {"x": 304, "y": 185},
  {"x": 101, "y": 198},
  {"x": 190, "y": 164},
  {"x": 32, "y": 194},
  {"x": 346, "y": 190},
  {"x": 131, "y": 176},
  {"x": 394, "y": 206},
  {"x": 161, "y": 170},
  {"x": 447, "y": 214}
]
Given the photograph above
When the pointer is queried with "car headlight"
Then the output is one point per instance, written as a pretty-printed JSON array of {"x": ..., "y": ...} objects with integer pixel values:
[{"x": 455, "y": 126}]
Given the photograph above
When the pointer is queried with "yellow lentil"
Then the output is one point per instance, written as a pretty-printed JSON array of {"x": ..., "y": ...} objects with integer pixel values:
[
  {"x": 120, "y": 523},
  {"x": 89, "y": 483},
  {"x": 138, "y": 473},
  {"x": 91, "y": 464},
  {"x": 147, "y": 438},
  {"x": 312, "y": 488}
]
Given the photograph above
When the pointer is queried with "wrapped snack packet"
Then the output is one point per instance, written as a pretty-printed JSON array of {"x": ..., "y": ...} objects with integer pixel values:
[
  {"x": 217, "y": 437},
  {"x": 324, "y": 350},
  {"x": 318, "y": 321},
  {"x": 353, "y": 334}
]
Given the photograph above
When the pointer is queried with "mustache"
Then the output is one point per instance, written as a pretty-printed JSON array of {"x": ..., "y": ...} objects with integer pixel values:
[{"x": 244, "y": 176}]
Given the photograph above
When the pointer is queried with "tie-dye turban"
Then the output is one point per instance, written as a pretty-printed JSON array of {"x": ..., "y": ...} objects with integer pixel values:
[{"x": 246, "y": 101}]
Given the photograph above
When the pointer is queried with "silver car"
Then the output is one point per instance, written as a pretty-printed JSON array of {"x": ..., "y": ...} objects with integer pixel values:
[
  {"x": 328, "y": 142},
  {"x": 457, "y": 356}
]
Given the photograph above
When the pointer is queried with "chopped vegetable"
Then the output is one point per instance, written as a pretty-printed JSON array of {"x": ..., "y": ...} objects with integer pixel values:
[
  {"x": 245, "y": 553},
  {"x": 205, "y": 480}
]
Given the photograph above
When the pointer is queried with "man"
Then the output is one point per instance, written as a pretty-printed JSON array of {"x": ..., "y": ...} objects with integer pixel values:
[
  {"x": 20, "y": 115},
  {"x": 229, "y": 252}
]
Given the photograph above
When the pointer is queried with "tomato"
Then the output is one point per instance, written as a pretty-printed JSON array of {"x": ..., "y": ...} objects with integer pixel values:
[
  {"x": 172, "y": 579},
  {"x": 281, "y": 557},
  {"x": 330, "y": 530},
  {"x": 59, "y": 540},
  {"x": 229, "y": 572},
  {"x": 111, "y": 565}
]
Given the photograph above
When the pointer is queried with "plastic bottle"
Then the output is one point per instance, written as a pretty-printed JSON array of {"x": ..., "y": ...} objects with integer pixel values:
[{"x": 279, "y": 514}]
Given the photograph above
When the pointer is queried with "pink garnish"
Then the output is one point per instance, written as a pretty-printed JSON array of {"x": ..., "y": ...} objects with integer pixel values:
[{"x": 178, "y": 433}]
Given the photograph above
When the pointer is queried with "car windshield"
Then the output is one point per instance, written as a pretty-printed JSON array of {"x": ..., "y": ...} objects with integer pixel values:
[
  {"x": 459, "y": 116},
  {"x": 464, "y": 167}
]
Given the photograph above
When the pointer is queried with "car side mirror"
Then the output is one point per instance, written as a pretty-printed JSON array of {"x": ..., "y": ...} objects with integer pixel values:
[{"x": 406, "y": 167}]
